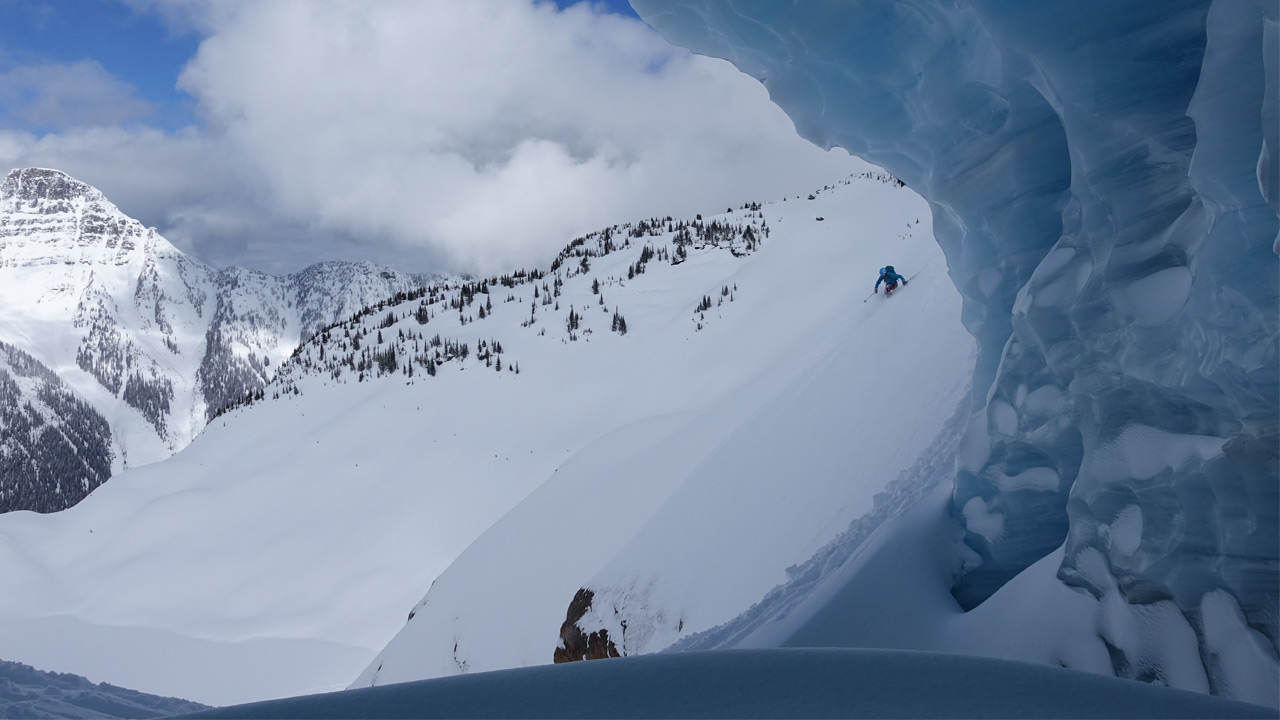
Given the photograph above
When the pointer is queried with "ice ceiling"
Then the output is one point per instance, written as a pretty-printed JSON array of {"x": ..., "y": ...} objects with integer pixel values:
[{"x": 1105, "y": 181}]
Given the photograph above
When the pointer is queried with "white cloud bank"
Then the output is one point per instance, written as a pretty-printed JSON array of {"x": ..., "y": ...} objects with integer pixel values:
[{"x": 478, "y": 135}]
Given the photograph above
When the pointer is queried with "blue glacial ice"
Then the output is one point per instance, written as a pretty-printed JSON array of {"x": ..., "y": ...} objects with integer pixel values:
[{"x": 1105, "y": 182}]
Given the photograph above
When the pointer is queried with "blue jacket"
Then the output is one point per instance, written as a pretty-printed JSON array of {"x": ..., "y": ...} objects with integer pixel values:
[{"x": 888, "y": 278}]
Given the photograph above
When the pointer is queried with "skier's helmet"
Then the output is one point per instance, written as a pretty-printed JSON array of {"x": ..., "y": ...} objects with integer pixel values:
[{"x": 882, "y": 270}]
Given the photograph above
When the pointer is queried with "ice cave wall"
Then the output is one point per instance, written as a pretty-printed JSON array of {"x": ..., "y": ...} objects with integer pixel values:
[{"x": 1104, "y": 182}]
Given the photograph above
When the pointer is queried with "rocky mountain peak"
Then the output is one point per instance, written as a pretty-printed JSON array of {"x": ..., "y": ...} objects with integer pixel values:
[
  {"x": 49, "y": 216},
  {"x": 36, "y": 185}
]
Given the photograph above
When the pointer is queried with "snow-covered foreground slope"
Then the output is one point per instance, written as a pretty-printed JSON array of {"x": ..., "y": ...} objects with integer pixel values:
[
  {"x": 809, "y": 683},
  {"x": 150, "y": 342},
  {"x": 280, "y": 551}
]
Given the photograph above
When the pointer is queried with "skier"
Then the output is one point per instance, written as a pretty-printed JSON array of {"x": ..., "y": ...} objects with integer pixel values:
[{"x": 890, "y": 280}]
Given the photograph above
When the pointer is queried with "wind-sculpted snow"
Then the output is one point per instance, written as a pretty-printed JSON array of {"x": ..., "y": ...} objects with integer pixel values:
[
  {"x": 154, "y": 340},
  {"x": 1104, "y": 181}
]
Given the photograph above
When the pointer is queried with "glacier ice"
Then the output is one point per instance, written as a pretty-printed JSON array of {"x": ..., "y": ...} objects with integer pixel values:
[{"x": 1104, "y": 182}]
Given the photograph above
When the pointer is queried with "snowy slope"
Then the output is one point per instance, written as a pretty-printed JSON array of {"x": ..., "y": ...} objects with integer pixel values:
[
  {"x": 287, "y": 542},
  {"x": 154, "y": 341},
  {"x": 680, "y": 522}
]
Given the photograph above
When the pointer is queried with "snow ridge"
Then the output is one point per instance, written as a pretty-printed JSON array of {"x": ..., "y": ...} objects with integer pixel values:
[{"x": 395, "y": 334}]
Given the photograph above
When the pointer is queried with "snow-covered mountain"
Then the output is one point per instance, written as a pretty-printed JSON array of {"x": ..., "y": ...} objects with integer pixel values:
[
  {"x": 148, "y": 340},
  {"x": 290, "y": 539},
  {"x": 1057, "y": 445},
  {"x": 30, "y": 693}
]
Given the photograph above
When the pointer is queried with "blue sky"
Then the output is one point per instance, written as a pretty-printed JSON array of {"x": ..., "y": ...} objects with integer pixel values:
[{"x": 134, "y": 47}]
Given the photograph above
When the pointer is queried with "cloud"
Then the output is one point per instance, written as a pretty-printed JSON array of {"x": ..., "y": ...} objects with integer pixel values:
[
  {"x": 478, "y": 136},
  {"x": 61, "y": 96},
  {"x": 194, "y": 187}
]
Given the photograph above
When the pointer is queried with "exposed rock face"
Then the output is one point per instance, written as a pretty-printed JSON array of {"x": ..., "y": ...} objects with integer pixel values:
[
  {"x": 576, "y": 645},
  {"x": 41, "y": 207}
]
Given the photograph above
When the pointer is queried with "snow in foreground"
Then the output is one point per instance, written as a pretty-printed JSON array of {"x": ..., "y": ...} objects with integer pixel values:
[{"x": 764, "y": 683}]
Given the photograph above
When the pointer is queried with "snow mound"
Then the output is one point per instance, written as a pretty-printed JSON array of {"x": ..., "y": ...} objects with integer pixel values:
[{"x": 809, "y": 683}]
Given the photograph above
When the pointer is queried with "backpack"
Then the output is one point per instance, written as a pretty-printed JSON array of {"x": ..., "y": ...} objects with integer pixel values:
[{"x": 888, "y": 269}]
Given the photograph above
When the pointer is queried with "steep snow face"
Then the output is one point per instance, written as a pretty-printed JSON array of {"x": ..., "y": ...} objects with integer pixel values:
[
  {"x": 757, "y": 405},
  {"x": 110, "y": 306},
  {"x": 152, "y": 340},
  {"x": 1104, "y": 182}
]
